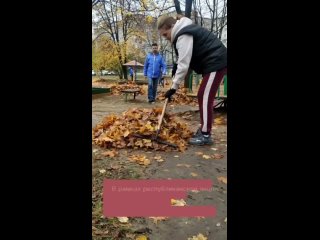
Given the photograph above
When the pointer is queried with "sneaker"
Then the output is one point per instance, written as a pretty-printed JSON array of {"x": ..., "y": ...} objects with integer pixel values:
[
  {"x": 199, "y": 139},
  {"x": 198, "y": 133},
  {"x": 151, "y": 101}
]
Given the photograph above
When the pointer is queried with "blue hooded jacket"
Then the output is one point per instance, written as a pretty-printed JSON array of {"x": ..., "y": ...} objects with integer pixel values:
[
  {"x": 154, "y": 66},
  {"x": 131, "y": 71}
]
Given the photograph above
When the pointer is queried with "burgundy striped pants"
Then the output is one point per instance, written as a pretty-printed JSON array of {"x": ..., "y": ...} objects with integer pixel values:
[{"x": 206, "y": 94}]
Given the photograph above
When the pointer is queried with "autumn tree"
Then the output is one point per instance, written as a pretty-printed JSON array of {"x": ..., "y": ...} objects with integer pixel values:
[
  {"x": 152, "y": 11},
  {"x": 104, "y": 55},
  {"x": 133, "y": 23},
  {"x": 115, "y": 19}
]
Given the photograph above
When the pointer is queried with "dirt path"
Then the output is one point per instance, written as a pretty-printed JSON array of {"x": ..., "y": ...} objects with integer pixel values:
[{"x": 191, "y": 164}]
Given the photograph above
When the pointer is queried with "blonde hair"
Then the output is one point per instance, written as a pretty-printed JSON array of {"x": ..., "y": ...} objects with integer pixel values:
[{"x": 167, "y": 21}]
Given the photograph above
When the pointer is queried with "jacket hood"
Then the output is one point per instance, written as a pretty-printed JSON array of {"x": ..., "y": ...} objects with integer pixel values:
[{"x": 183, "y": 22}]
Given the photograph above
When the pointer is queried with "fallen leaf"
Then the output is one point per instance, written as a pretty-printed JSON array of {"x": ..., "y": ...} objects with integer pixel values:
[
  {"x": 109, "y": 153},
  {"x": 114, "y": 167},
  {"x": 225, "y": 220},
  {"x": 222, "y": 179},
  {"x": 218, "y": 224},
  {"x": 158, "y": 159},
  {"x": 194, "y": 191},
  {"x": 97, "y": 231},
  {"x": 193, "y": 174},
  {"x": 126, "y": 133},
  {"x": 140, "y": 159},
  {"x": 123, "y": 219},
  {"x": 218, "y": 121},
  {"x": 95, "y": 150},
  {"x": 102, "y": 171},
  {"x": 217, "y": 156},
  {"x": 199, "y": 153},
  {"x": 178, "y": 203},
  {"x": 206, "y": 156},
  {"x": 141, "y": 237},
  {"x": 214, "y": 149},
  {"x": 107, "y": 139},
  {"x": 146, "y": 162},
  {"x": 176, "y": 156},
  {"x": 199, "y": 237},
  {"x": 156, "y": 219}
]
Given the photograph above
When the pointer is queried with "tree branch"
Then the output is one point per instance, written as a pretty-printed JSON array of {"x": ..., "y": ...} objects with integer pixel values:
[
  {"x": 94, "y": 2},
  {"x": 98, "y": 36}
]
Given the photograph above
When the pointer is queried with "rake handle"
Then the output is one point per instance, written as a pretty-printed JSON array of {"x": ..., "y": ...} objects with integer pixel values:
[{"x": 162, "y": 115}]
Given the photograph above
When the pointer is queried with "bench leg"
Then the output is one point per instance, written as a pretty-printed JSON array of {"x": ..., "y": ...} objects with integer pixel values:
[
  {"x": 126, "y": 97},
  {"x": 134, "y": 95}
]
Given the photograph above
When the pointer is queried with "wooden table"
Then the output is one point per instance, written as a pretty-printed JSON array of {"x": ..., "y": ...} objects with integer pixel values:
[{"x": 130, "y": 91}]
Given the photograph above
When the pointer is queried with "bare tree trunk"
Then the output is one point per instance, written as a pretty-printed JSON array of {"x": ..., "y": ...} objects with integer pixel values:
[
  {"x": 124, "y": 72},
  {"x": 195, "y": 10},
  {"x": 212, "y": 14},
  {"x": 94, "y": 2},
  {"x": 200, "y": 13},
  {"x": 177, "y": 6},
  {"x": 124, "y": 68},
  {"x": 223, "y": 18},
  {"x": 188, "y": 8},
  {"x": 216, "y": 14}
]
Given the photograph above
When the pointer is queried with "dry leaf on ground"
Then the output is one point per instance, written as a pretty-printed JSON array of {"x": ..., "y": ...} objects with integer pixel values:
[{"x": 222, "y": 179}]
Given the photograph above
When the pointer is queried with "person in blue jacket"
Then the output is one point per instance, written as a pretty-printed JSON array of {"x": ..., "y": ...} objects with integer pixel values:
[
  {"x": 154, "y": 68},
  {"x": 131, "y": 73}
]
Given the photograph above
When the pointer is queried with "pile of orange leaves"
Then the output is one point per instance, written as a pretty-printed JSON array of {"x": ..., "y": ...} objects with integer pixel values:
[
  {"x": 117, "y": 88},
  {"x": 121, "y": 131},
  {"x": 180, "y": 97}
]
